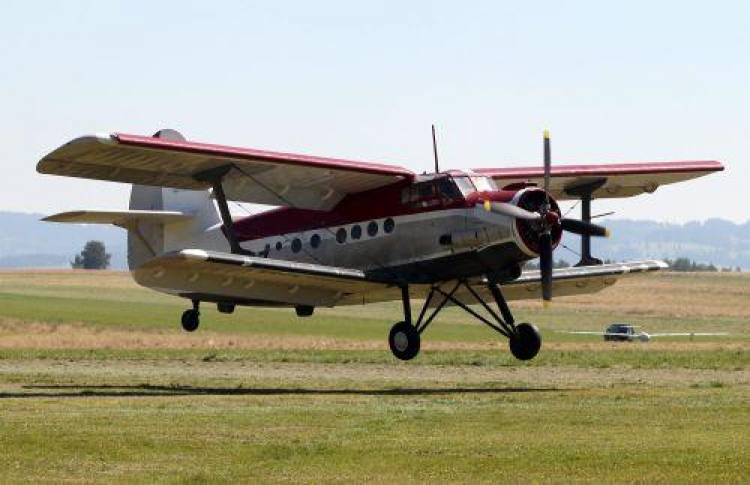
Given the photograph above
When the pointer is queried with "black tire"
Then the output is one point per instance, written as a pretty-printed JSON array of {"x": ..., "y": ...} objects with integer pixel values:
[
  {"x": 404, "y": 341},
  {"x": 527, "y": 341},
  {"x": 304, "y": 310},
  {"x": 190, "y": 320}
]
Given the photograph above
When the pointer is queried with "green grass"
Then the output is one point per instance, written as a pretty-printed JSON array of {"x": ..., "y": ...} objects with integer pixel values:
[
  {"x": 686, "y": 435},
  {"x": 636, "y": 358},
  {"x": 104, "y": 309},
  {"x": 582, "y": 410}
]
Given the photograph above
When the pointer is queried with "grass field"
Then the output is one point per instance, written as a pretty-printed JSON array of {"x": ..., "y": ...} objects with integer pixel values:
[{"x": 98, "y": 383}]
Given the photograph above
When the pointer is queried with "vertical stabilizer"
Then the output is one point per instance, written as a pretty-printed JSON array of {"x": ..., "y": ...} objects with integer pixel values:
[{"x": 151, "y": 238}]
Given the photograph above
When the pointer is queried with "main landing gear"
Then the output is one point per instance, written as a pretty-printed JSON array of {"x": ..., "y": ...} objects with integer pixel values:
[
  {"x": 191, "y": 319},
  {"x": 524, "y": 339}
]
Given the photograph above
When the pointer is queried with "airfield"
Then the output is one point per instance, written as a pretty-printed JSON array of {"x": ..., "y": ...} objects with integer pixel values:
[{"x": 98, "y": 383}]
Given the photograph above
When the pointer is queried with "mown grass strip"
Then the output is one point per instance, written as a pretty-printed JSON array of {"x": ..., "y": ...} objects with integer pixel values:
[{"x": 643, "y": 358}]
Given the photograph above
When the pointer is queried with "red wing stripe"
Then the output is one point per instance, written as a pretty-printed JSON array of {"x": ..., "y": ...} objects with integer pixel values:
[
  {"x": 614, "y": 169},
  {"x": 262, "y": 155}
]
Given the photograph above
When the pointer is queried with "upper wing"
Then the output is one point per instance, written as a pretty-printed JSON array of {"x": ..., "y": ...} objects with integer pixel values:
[
  {"x": 255, "y": 176},
  {"x": 620, "y": 180},
  {"x": 216, "y": 276}
]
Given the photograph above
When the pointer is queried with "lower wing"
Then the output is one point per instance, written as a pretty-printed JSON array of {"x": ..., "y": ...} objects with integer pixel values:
[{"x": 218, "y": 277}]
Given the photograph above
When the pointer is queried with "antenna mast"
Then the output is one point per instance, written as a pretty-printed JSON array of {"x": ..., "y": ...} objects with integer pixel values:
[{"x": 434, "y": 150}]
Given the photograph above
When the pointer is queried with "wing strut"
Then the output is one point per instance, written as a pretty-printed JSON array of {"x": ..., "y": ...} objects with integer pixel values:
[
  {"x": 215, "y": 176},
  {"x": 584, "y": 191}
]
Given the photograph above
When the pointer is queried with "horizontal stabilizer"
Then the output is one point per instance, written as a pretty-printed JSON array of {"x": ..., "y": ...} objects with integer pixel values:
[{"x": 118, "y": 218}]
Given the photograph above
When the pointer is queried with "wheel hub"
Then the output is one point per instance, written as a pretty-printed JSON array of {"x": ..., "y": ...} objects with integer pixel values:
[{"x": 401, "y": 341}]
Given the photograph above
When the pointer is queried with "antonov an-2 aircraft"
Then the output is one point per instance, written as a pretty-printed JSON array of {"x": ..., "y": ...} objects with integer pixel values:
[{"x": 352, "y": 233}]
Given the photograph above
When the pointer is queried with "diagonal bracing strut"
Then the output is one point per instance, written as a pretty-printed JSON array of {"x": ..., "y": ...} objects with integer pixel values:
[{"x": 503, "y": 323}]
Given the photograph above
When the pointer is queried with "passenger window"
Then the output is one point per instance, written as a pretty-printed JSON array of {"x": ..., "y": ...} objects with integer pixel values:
[
  {"x": 315, "y": 241},
  {"x": 296, "y": 245},
  {"x": 341, "y": 235},
  {"x": 356, "y": 232},
  {"x": 372, "y": 229},
  {"x": 389, "y": 225}
]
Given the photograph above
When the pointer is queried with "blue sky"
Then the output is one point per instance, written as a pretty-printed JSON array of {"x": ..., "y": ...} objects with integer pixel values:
[{"x": 613, "y": 81}]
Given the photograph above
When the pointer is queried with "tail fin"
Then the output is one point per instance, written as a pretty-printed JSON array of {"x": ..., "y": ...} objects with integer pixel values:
[
  {"x": 159, "y": 220},
  {"x": 150, "y": 238}
]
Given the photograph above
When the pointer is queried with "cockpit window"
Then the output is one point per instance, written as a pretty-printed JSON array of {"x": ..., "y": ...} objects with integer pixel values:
[
  {"x": 484, "y": 184},
  {"x": 423, "y": 194},
  {"x": 464, "y": 185},
  {"x": 443, "y": 190},
  {"x": 448, "y": 189}
]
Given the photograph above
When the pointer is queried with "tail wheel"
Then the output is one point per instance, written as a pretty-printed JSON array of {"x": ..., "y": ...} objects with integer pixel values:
[
  {"x": 526, "y": 342},
  {"x": 404, "y": 341}
]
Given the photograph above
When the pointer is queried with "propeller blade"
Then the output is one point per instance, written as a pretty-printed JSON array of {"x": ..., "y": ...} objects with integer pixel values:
[
  {"x": 547, "y": 164},
  {"x": 545, "y": 265},
  {"x": 583, "y": 228},
  {"x": 510, "y": 210}
]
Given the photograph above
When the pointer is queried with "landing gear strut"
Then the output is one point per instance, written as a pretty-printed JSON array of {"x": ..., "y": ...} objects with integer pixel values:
[
  {"x": 524, "y": 339},
  {"x": 191, "y": 318}
]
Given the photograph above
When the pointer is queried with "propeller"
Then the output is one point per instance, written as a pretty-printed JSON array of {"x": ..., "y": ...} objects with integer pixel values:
[
  {"x": 583, "y": 228},
  {"x": 547, "y": 220},
  {"x": 545, "y": 238},
  {"x": 576, "y": 226}
]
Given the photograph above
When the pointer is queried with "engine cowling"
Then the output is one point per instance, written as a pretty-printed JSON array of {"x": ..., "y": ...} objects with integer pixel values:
[{"x": 527, "y": 232}]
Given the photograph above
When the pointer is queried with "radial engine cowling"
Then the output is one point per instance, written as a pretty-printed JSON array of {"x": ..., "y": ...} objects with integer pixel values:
[{"x": 527, "y": 232}]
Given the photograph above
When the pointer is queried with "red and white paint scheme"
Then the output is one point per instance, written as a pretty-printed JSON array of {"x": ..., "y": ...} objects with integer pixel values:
[{"x": 352, "y": 233}]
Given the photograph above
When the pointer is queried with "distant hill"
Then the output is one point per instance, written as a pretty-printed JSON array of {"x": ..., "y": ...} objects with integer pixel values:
[
  {"x": 716, "y": 241},
  {"x": 26, "y": 242}
]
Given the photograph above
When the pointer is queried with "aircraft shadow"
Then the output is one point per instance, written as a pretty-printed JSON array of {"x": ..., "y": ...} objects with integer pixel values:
[{"x": 148, "y": 390}]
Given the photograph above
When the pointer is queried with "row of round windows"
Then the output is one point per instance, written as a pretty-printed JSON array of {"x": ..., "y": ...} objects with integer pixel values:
[{"x": 341, "y": 235}]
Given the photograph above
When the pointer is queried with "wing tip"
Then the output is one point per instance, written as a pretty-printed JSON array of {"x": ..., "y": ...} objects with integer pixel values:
[
  {"x": 63, "y": 216},
  {"x": 50, "y": 163}
]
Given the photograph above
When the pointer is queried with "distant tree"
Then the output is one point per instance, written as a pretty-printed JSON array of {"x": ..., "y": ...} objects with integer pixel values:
[
  {"x": 93, "y": 256},
  {"x": 685, "y": 264}
]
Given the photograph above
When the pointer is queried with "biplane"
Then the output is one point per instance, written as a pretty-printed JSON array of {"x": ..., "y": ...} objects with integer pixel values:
[{"x": 351, "y": 233}]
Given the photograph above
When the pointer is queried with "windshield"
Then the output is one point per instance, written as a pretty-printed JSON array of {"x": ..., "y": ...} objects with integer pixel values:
[
  {"x": 448, "y": 190},
  {"x": 464, "y": 185},
  {"x": 443, "y": 190},
  {"x": 484, "y": 184}
]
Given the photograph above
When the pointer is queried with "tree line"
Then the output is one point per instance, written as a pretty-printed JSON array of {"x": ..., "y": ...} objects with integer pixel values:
[{"x": 687, "y": 264}]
